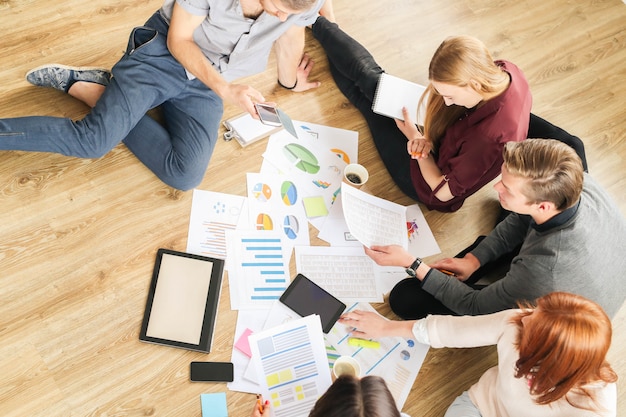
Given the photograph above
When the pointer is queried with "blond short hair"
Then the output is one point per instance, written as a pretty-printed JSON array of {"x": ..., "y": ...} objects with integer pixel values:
[{"x": 553, "y": 170}]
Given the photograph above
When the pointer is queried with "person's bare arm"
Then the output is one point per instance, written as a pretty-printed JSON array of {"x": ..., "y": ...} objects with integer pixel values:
[
  {"x": 294, "y": 66},
  {"x": 182, "y": 46}
]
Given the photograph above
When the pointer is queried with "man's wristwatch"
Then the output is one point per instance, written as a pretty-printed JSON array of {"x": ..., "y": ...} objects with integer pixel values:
[{"x": 412, "y": 270}]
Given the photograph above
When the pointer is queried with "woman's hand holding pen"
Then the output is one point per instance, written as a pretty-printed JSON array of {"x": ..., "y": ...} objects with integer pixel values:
[
  {"x": 418, "y": 146},
  {"x": 261, "y": 409}
]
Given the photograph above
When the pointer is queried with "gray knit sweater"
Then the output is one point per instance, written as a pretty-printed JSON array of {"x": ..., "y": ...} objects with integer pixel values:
[{"x": 585, "y": 255}]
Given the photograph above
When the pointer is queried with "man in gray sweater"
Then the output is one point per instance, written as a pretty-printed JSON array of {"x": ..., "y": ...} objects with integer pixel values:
[{"x": 570, "y": 235}]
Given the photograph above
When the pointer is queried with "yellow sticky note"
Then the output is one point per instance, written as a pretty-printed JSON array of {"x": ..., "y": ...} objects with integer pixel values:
[{"x": 315, "y": 206}]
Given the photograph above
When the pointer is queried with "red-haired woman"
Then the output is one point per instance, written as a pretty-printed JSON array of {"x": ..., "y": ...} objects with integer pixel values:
[{"x": 551, "y": 357}]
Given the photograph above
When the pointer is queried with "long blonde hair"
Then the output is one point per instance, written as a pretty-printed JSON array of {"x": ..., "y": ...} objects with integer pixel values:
[{"x": 457, "y": 61}]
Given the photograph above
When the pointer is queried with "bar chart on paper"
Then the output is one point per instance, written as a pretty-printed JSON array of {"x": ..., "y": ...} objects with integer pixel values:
[
  {"x": 211, "y": 215},
  {"x": 259, "y": 272}
]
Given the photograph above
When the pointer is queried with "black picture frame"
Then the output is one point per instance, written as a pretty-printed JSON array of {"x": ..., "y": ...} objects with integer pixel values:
[{"x": 181, "y": 308}]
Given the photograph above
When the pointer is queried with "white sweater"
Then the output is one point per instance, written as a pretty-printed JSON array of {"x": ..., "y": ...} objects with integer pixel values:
[{"x": 498, "y": 393}]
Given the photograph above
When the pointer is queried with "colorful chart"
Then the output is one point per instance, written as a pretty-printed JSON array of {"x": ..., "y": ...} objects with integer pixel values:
[
  {"x": 291, "y": 226},
  {"x": 288, "y": 193},
  {"x": 219, "y": 207},
  {"x": 302, "y": 158},
  {"x": 309, "y": 131},
  {"x": 341, "y": 155},
  {"x": 262, "y": 192},
  {"x": 411, "y": 228},
  {"x": 321, "y": 184},
  {"x": 264, "y": 222}
]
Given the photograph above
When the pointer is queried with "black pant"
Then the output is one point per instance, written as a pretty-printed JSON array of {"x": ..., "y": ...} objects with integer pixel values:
[
  {"x": 539, "y": 128},
  {"x": 409, "y": 301},
  {"x": 356, "y": 74}
]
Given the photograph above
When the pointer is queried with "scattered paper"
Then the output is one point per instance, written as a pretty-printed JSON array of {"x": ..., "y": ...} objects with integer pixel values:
[
  {"x": 211, "y": 215},
  {"x": 347, "y": 273},
  {"x": 259, "y": 268},
  {"x": 292, "y": 364}
]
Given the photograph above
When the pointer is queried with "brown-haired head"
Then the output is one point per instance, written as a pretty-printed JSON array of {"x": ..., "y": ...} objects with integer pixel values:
[
  {"x": 349, "y": 396},
  {"x": 562, "y": 343}
]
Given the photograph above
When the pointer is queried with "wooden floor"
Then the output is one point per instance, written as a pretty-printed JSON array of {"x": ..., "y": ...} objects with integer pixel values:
[{"x": 78, "y": 237}]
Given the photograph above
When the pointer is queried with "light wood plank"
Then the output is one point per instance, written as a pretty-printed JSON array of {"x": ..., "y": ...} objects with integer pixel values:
[{"x": 79, "y": 236}]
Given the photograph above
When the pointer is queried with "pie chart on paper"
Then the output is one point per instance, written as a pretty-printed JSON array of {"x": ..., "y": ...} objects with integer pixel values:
[
  {"x": 264, "y": 222},
  {"x": 291, "y": 227},
  {"x": 262, "y": 192},
  {"x": 302, "y": 158},
  {"x": 341, "y": 155},
  {"x": 288, "y": 193}
]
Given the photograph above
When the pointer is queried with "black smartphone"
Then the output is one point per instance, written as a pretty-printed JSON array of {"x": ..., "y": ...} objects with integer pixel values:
[
  {"x": 268, "y": 114},
  {"x": 211, "y": 371}
]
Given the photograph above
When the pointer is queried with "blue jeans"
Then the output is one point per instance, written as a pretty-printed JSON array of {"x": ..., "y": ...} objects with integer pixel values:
[
  {"x": 463, "y": 407},
  {"x": 147, "y": 76}
]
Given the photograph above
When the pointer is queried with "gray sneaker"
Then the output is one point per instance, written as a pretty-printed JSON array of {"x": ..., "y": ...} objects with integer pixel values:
[{"x": 62, "y": 77}]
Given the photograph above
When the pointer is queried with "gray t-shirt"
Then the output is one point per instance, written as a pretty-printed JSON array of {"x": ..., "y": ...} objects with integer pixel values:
[{"x": 236, "y": 45}]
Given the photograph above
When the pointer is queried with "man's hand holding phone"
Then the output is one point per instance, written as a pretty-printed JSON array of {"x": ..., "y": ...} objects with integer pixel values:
[{"x": 268, "y": 114}]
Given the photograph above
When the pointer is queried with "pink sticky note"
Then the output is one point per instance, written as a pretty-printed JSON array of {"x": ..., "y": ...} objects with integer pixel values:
[{"x": 242, "y": 343}]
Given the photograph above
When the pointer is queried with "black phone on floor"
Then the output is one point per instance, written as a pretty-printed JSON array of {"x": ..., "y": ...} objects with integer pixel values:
[{"x": 211, "y": 371}]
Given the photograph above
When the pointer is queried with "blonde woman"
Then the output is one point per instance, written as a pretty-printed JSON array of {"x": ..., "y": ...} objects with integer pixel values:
[{"x": 475, "y": 105}]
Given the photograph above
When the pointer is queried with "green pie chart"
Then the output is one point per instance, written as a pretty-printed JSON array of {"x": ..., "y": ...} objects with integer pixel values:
[{"x": 302, "y": 158}]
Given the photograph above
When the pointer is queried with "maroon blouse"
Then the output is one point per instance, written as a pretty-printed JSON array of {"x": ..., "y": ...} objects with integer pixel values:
[{"x": 470, "y": 153}]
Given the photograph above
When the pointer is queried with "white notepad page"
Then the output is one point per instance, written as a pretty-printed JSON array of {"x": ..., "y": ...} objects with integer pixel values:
[{"x": 393, "y": 93}]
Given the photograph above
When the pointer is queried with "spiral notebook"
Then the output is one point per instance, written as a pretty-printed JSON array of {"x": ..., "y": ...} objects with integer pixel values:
[{"x": 393, "y": 93}]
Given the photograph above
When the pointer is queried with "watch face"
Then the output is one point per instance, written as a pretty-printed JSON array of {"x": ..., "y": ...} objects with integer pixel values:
[{"x": 410, "y": 272}]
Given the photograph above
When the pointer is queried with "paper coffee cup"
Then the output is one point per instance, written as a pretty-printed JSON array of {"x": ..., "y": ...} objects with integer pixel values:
[
  {"x": 355, "y": 175},
  {"x": 346, "y": 365}
]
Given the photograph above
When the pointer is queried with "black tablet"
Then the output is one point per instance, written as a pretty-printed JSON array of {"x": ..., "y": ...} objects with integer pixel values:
[
  {"x": 182, "y": 301},
  {"x": 306, "y": 297}
]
